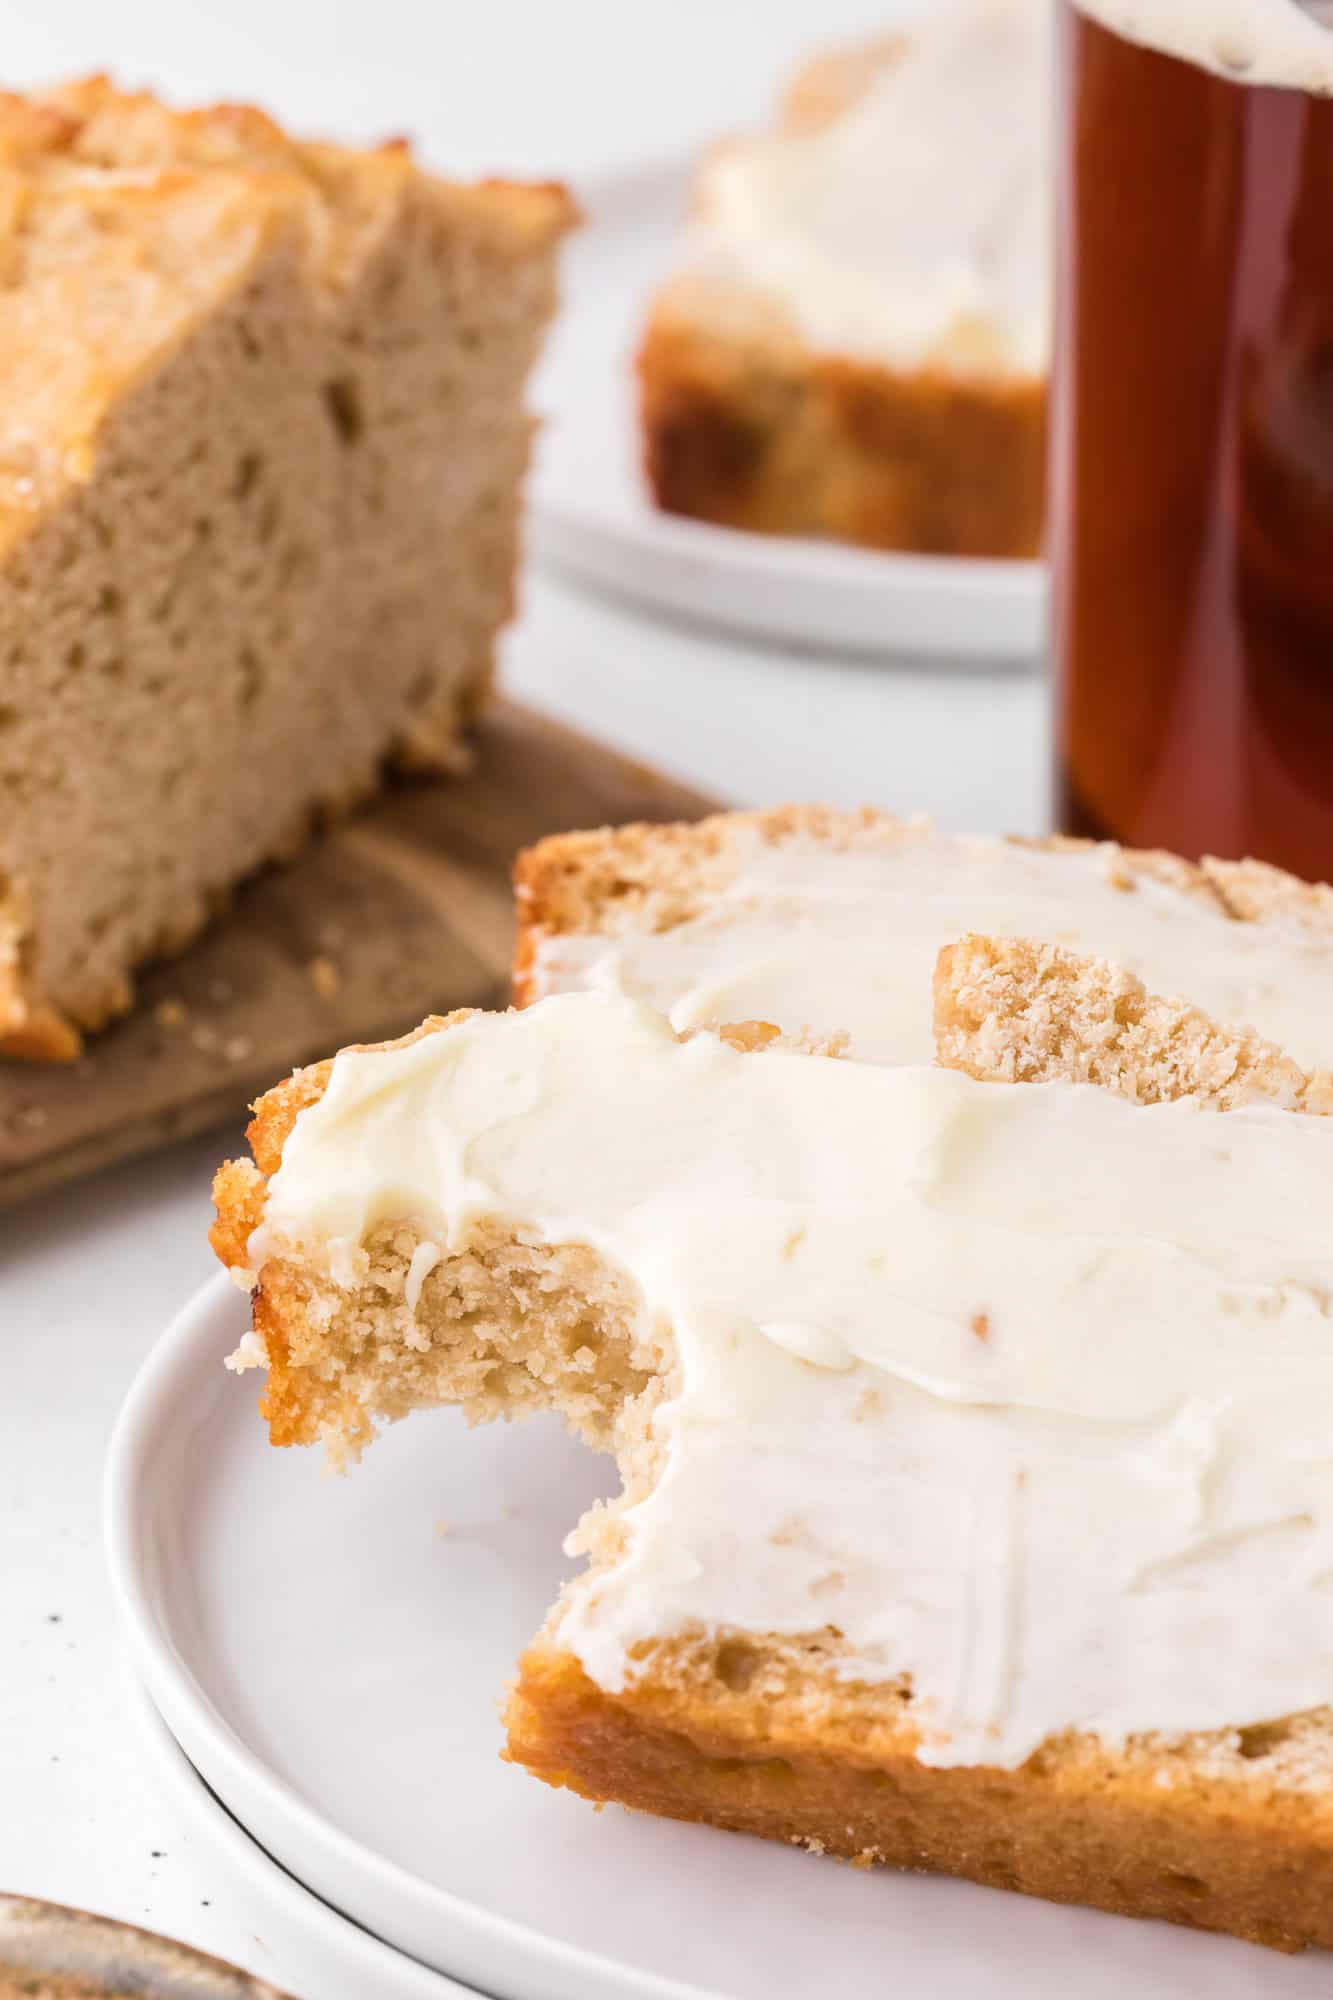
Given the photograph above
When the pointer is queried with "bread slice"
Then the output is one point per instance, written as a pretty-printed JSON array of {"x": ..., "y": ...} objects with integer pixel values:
[
  {"x": 833, "y": 920},
  {"x": 745, "y": 425},
  {"x": 773, "y": 1732},
  {"x": 1011, "y": 1011},
  {"x": 830, "y": 82},
  {"x": 753, "y": 419},
  {"x": 262, "y": 435}
]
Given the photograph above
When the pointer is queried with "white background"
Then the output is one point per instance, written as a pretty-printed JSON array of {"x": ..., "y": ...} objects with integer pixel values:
[{"x": 89, "y": 1277}]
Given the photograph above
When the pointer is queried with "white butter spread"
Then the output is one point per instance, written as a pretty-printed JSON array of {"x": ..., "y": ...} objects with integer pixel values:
[
  {"x": 1027, "y": 1391},
  {"x": 1280, "y": 42},
  {"x": 915, "y": 227},
  {"x": 848, "y": 941}
]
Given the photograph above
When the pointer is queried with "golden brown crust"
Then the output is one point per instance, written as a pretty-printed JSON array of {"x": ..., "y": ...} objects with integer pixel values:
[
  {"x": 152, "y": 192},
  {"x": 1141, "y": 1833},
  {"x": 16, "y": 1013},
  {"x": 746, "y": 425},
  {"x": 29, "y": 1031},
  {"x": 1008, "y": 1010}
]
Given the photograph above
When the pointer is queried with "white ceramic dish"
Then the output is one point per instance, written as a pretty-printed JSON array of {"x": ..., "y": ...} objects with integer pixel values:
[
  {"x": 591, "y": 516},
  {"x": 308, "y": 1947},
  {"x": 331, "y": 1662}
]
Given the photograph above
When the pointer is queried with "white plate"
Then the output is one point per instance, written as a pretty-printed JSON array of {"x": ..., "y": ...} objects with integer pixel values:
[
  {"x": 332, "y": 1665},
  {"x": 308, "y": 1947},
  {"x": 591, "y": 515}
]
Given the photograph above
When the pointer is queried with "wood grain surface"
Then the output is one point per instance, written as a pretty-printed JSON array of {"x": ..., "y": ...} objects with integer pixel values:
[{"x": 401, "y": 911}]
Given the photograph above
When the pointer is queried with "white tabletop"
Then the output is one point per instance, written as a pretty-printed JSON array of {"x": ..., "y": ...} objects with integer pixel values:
[{"x": 88, "y": 1277}]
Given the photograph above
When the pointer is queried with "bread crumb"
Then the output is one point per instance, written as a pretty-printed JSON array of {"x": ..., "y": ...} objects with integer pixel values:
[
  {"x": 204, "y": 1038},
  {"x": 169, "y": 1013},
  {"x": 324, "y": 977},
  {"x": 237, "y": 1047},
  {"x": 980, "y": 1325},
  {"x": 441, "y": 1531}
]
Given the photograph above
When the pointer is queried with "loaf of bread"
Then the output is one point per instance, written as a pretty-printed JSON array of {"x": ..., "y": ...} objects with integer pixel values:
[
  {"x": 832, "y": 920},
  {"x": 854, "y": 342},
  {"x": 953, "y": 1532},
  {"x": 262, "y": 437}
]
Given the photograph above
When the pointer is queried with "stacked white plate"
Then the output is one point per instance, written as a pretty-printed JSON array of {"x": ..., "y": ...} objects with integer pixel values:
[{"x": 330, "y": 1656}]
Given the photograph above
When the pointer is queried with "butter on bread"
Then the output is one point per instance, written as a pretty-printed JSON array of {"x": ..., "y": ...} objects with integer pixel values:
[
  {"x": 824, "y": 919},
  {"x": 854, "y": 340},
  {"x": 799, "y": 1729},
  {"x": 262, "y": 437}
]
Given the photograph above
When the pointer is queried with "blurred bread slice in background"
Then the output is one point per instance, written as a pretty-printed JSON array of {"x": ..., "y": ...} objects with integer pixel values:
[
  {"x": 262, "y": 439},
  {"x": 832, "y": 81},
  {"x": 855, "y": 341}
]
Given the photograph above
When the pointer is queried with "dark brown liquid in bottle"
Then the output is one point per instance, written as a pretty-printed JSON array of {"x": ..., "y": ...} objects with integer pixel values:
[{"x": 1193, "y": 458}]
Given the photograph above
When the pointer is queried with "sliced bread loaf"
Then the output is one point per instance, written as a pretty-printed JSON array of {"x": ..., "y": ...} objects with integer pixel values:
[{"x": 262, "y": 435}]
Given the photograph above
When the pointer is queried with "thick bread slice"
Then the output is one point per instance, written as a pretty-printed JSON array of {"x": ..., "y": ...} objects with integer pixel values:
[
  {"x": 1230, "y": 1830},
  {"x": 644, "y": 877},
  {"x": 613, "y": 880},
  {"x": 745, "y": 423},
  {"x": 1011, "y": 1011},
  {"x": 262, "y": 435},
  {"x": 816, "y": 917}
]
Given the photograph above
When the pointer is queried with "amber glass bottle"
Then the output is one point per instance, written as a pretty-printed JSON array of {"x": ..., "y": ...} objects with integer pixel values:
[{"x": 1192, "y": 512}]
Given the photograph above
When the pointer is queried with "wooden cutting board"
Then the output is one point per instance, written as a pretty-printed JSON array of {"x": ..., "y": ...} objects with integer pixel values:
[{"x": 402, "y": 911}]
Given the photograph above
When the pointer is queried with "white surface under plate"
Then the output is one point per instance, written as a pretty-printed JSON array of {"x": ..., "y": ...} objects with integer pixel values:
[
  {"x": 330, "y": 1654},
  {"x": 591, "y": 515},
  {"x": 300, "y": 1943}
]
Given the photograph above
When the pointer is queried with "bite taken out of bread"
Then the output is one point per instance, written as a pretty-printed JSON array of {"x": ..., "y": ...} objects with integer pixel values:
[{"x": 957, "y": 1419}]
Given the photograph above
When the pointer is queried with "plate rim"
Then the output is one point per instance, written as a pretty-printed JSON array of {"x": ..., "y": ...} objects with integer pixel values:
[
  {"x": 242, "y": 1779},
  {"x": 587, "y": 543},
  {"x": 204, "y": 1808}
]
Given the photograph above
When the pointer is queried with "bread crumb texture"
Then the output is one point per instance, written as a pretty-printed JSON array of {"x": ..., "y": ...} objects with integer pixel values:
[{"x": 1011, "y": 1011}]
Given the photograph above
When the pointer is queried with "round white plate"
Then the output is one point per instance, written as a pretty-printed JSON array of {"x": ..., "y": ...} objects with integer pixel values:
[
  {"x": 308, "y": 1947},
  {"x": 590, "y": 513},
  {"x": 331, "y": 1653}
]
